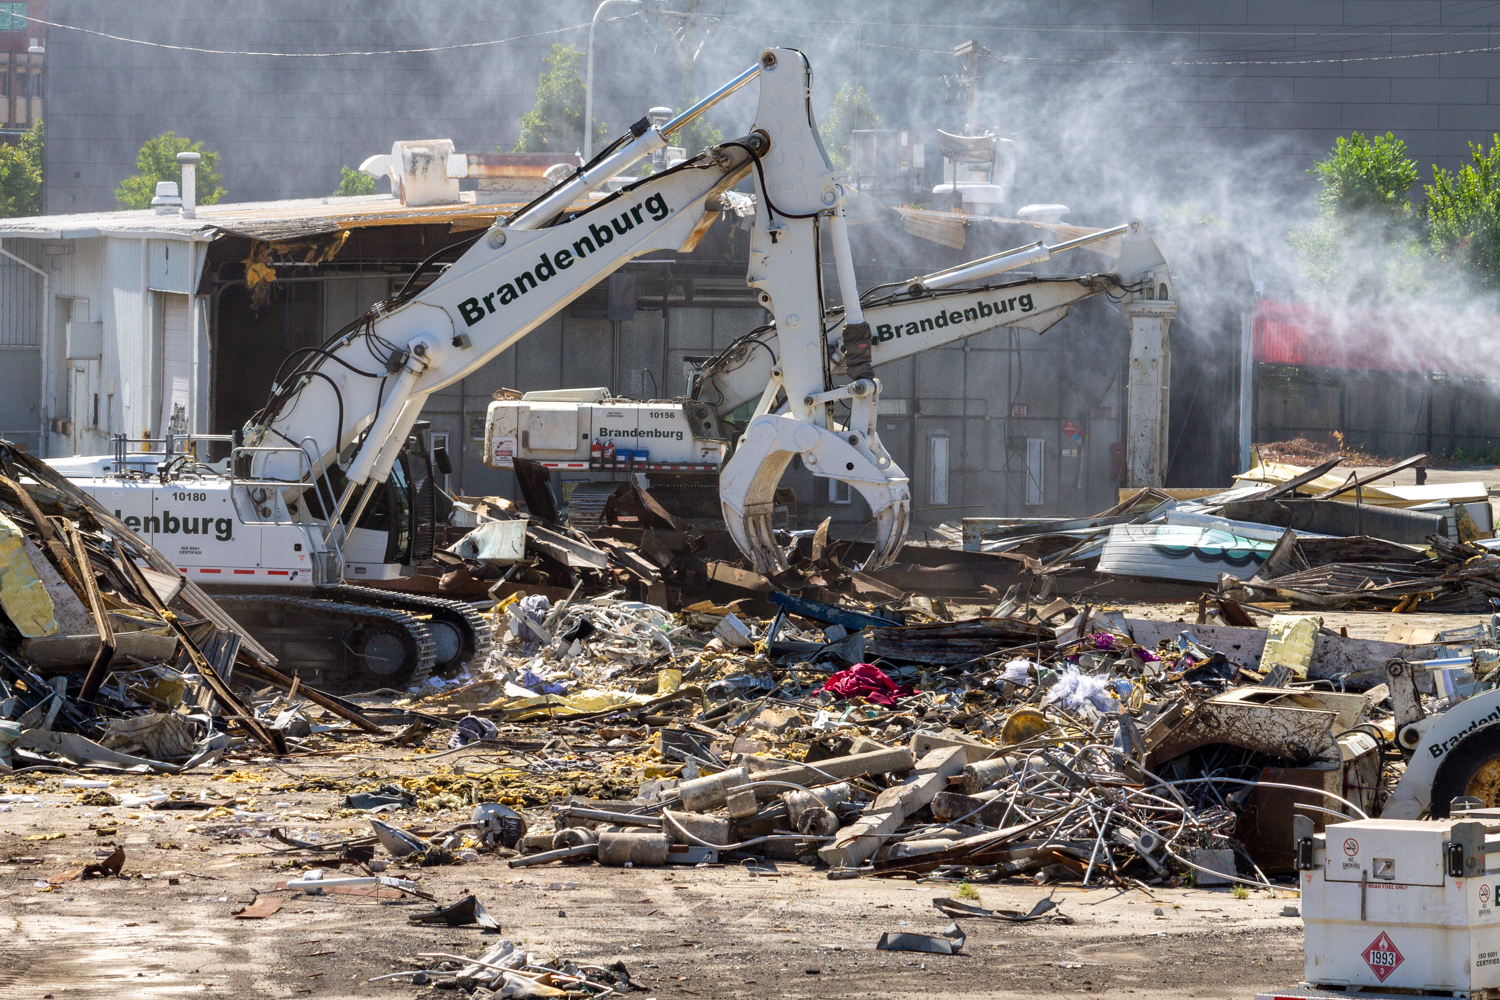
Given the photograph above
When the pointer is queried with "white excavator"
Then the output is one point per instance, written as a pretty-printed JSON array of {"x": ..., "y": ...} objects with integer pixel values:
[
  {"x": 284, "y": 532},
  {"x": 677, "y": 441}
]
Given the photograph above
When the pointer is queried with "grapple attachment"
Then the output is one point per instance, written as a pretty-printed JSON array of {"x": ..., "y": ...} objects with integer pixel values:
[{"x": 747, "y": 484}]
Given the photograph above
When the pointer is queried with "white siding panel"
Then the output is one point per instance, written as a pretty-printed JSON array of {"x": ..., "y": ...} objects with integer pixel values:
[
  {"x": 129, "y": 348},
  {"x": 176, "y": 365},
  {"x": 171, "y": 266}
]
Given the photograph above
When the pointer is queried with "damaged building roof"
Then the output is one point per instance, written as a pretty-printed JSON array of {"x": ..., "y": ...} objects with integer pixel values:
[{"x": 265, "y": 220}]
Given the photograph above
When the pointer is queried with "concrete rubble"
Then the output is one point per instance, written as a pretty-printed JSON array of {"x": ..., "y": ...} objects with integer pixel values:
[{"x": 643, "y": 707}]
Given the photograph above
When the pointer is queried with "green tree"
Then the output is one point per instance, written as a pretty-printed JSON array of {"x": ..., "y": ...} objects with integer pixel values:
[
  {"x": 1463, "y": 214},
  {"x": 555, "y": 124},
  {"x": 696, "y": 136},
  {"x": 1366, "y": 177},
  {"x": 852, "y": 109},
  {"x": 157, "y": 161},
  {"x": 354, "y": 182},
  {"x": 1363, "y": 246},
  {"x": 21, "y": 174}
]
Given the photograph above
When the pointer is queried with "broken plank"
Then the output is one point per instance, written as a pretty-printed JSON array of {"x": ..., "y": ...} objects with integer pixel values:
[{"x": 857, "y": 842}]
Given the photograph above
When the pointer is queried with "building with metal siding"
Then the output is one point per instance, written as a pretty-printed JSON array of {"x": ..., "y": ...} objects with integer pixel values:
[
  {"x": 22, "y": 298},
  {"x": 979, "y": 426}
]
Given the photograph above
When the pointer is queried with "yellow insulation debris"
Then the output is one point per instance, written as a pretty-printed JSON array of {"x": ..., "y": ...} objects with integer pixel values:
[{"x": 22, "y": 594}]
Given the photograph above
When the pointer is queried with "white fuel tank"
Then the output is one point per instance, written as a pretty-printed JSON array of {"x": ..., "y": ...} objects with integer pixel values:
[{"x": 1397, "y": 905}]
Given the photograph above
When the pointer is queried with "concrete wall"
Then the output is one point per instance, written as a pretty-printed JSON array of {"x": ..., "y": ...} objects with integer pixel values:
[{"x": 1381, "y": 413}]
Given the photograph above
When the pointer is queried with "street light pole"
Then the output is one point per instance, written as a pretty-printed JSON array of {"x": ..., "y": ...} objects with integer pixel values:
[{"x": 588, "y": 83}]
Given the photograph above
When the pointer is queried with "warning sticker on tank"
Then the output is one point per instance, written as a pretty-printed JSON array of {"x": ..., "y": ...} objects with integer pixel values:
[{"x": 1382, "y": 956}]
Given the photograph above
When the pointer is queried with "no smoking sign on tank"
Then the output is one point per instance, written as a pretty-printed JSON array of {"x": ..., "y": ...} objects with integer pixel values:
[{"x": 1382, "y": 956}]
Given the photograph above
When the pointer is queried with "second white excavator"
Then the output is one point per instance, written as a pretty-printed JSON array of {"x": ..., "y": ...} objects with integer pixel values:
[{"x": 693, "y": 437}]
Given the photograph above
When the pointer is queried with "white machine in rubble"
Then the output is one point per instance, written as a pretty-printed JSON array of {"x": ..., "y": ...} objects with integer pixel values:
[
  {"x": 1408, "y": 903},
  {"x": 588, "y": 429},
  {"x": 322, "y": 451},
  {"x": 254, "y": 548},
  {"x": 1400, "y": 907},
  {"x": 1452, "y": 754}
]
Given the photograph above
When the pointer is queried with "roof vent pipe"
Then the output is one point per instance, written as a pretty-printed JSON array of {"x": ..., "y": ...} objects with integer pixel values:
[
  {"x": 166, "y": 201},
  {"x": 189, "y": 164}
]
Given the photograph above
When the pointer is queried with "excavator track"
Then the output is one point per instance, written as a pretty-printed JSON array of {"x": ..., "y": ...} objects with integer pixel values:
[
  {"x": 341, "y": 647},
  {"x": 461, "y": 634}
]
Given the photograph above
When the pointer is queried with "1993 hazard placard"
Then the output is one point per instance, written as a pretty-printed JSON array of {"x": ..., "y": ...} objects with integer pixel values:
[{"x": 1382, "y": 956}]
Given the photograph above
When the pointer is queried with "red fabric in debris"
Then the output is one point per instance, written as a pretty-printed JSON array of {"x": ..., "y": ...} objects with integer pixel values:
[{"x": 865, "y": 680}]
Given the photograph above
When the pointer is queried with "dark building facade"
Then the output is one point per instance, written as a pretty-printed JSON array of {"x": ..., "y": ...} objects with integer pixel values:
[{"x": 1200, "y": 117}]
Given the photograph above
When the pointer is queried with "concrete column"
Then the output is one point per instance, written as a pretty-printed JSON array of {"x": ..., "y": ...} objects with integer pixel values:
[{"x": 1148, "y": 392}]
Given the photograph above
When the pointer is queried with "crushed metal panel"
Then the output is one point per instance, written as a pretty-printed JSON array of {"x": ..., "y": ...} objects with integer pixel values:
[
  {"x": 952, "y": 642},
  {"x": 1185, "y": 553},
  {"x": 1235, "y": 719}
]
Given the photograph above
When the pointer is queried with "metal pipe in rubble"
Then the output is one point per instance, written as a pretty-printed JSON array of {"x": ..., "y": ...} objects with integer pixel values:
[
  {"x": 1006, "y": 260},
  {"x": 622, "y": 159}
]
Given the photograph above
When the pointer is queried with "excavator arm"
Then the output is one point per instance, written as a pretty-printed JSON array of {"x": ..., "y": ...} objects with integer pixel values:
[
  {"x": 916, "y": 319},
  {"x": 353, "y": 401},
  {"x": 931, "y": 311}
]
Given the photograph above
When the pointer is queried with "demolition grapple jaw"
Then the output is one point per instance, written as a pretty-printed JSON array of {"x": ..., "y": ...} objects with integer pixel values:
[{"x": 747, "y": 485}]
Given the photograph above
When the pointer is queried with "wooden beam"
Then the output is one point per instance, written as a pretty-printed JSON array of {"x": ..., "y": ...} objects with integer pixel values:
[{"x": 1355, "y": 481}]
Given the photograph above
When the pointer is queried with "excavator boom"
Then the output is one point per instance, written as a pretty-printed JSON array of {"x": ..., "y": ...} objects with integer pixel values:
[{"x": 353, "y": 402}]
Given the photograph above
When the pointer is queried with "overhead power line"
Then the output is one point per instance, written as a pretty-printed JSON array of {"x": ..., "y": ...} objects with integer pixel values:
[{"x": 309, "y": 55}]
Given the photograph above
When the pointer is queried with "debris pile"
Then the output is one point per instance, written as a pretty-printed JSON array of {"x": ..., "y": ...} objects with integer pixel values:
[
  {"x": 1054, "y": 742},
  {"x": 826, "y": 717},
  {"x": 1283, "y": 533},
  {"x": 109, "y": 658}
]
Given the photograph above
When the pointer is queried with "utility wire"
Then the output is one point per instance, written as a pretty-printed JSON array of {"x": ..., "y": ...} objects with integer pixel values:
[
  {"x": 1355, "y": 31},
  {"x": 313, "y": 55},
  {"x": 1080, "y": 60}
]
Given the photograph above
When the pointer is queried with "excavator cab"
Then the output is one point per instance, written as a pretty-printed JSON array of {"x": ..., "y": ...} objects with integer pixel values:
[{"x": 406, "y": 509}]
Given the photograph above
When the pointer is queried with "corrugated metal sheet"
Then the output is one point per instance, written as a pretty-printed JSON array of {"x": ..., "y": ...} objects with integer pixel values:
[
  {"x": 1180, "y": 552},
  {"x": 20, "y": 297},
  {"x": 1294, "y": 333}
]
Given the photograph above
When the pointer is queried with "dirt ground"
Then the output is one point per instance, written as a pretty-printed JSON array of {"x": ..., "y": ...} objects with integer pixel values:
[
  {"x": 721, "y": 931},
  {"x": 165, "y": 929}
]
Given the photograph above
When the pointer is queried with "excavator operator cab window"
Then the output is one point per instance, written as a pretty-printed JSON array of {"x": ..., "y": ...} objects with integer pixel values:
[
  {"x": 398, "y": 494},
  {"x": 394, "y": 495}
]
